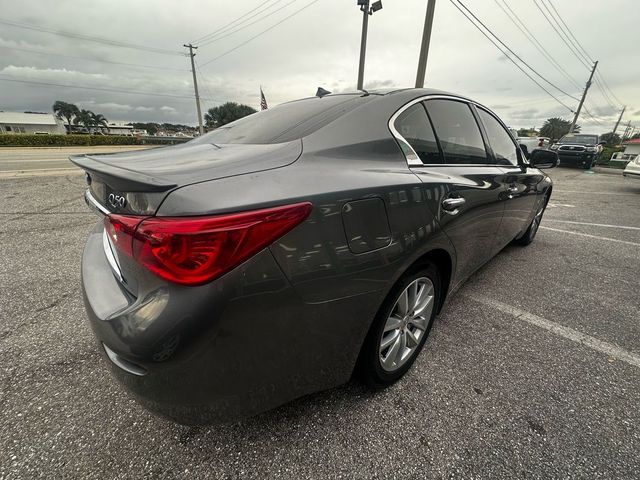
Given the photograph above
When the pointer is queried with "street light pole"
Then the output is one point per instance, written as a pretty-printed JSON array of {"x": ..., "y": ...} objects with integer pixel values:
[
  {"x": 363, "y": 44},
  {"x": 366, "y": 11},
  {"x": 195, "y": 85},
  {"x": 426, "y": 40}
]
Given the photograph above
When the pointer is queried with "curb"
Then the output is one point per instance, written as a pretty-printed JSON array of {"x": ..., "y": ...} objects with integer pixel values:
[{"x": 607, "y": 171}]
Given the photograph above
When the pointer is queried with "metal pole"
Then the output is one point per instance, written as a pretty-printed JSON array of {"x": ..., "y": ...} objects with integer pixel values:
[
  {"x": 363, "y": 45},
  {"x": 584, "y": 95},
  {"x": 195, "y": 86},
  {"x": 426, "y": 40},
  {"x": 619, "y": 119}
]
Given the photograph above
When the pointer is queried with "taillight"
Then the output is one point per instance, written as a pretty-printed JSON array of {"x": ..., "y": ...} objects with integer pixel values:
[
  {"x": 121, "y": 229},
  {"x": 196, "y": 250}
]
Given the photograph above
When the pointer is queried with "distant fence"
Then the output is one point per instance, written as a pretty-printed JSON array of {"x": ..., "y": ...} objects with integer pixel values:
[{"x": 27, "y": 140}]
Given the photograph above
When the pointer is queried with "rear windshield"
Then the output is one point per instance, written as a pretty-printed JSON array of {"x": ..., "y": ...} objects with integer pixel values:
[
  {"x": 580, "y": 139},
  {"x": 285, "y": 122}
]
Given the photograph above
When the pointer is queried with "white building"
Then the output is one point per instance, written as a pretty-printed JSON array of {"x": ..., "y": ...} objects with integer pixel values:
[
  {"x": 42, "y": 123},
  {"x": 119, "y": 128},
  {"x": 630, "y": 152}
]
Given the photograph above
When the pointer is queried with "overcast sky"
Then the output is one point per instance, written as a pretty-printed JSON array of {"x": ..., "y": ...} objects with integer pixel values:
[{"x": 317, "y": 47}]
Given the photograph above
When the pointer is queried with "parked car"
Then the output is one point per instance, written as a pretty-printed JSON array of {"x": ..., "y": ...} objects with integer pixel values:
[
  {"x": 278, "y": 254},
  {"x": 577, "y": 149},
  {"x": 632, "y": 170}
]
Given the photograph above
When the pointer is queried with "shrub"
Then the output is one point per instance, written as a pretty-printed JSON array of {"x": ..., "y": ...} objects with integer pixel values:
[{"x": 26, "y": 140}]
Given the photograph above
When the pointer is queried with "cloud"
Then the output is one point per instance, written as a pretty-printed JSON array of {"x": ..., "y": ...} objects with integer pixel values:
[{"x": 318, "y": 47}]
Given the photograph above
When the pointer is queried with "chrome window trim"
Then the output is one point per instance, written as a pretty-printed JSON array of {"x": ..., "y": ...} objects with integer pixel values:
[
  {"x": 94, "y": 204},
  {"x": 413, "y": 160}
]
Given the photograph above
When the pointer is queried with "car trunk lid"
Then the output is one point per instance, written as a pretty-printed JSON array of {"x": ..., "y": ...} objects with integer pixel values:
[{"x": 136, "y": 182}]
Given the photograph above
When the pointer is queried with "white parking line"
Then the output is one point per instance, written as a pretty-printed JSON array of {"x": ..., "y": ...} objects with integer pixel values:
[
  {"x": 591, "y": 236},
  {"x": 601, "y": 346},
  {"x": 40, "y": 172},
  {"x": 624, "y": 227}
]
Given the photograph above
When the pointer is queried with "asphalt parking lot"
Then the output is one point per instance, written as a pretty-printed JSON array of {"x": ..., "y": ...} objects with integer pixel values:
[{"x": 532, "y": 370}]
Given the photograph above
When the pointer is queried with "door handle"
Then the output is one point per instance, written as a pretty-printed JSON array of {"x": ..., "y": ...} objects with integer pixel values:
[
  {"x": 451, "y": 205},
  {"x": 512, "y": 190}
]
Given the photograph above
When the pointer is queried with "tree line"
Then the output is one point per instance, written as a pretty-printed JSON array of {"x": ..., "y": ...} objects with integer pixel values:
[{"x": 555, "y": 128}]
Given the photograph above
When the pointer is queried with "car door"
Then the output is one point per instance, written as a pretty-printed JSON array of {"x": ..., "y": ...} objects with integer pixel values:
[
  {"x": 445, "y": 148},
  {"x": 521, "y": 183}
]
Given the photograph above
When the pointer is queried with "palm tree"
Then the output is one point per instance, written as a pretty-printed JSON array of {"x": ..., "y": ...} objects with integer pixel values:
[
  {"x": 65, "y": 110},
  {"x": 99, "y": 121},
  {"x": 555, "y": 127},
  {"x": 84, "y": 118}
]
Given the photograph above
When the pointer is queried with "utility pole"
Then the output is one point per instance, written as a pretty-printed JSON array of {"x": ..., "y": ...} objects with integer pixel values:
[
  {"x": 619, "y": 119},
  {"x": 584, "y": 95},
  {"x": 426, "y": 40},
  {"x": 195, "y": 85},
  {"x": 626, "y": 130},
  {"x": 366, "y": 11}
]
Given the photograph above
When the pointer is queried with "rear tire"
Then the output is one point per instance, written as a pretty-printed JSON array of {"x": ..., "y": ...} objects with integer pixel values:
[
  {"x": 400, "y": 328},
  {"x": 528, "y": 236}
]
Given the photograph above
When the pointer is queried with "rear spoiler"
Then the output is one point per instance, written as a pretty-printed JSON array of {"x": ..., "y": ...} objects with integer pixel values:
[{"x": 121, "y": 178}]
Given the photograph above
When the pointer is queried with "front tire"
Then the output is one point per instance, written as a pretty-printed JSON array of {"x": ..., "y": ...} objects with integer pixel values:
[{"x": 400, "y": 328}]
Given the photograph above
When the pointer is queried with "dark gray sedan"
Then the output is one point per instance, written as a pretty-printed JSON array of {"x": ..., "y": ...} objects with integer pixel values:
[{"x": 280, "y": 254}]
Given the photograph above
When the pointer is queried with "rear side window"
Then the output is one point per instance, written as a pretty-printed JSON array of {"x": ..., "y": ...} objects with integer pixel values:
[
  {"x": 457, "y": 131},
  {"x": 414, "y": 126},
  {"x": 500, "y": 140}
]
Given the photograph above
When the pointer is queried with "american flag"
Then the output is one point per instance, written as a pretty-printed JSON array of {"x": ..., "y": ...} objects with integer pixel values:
[{"x": 263, "y": 101}]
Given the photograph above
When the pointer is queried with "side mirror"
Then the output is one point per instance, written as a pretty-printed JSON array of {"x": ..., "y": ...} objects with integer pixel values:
[
  {"x": 525, "y": 150},
  {"x": 542, "y": 158}
]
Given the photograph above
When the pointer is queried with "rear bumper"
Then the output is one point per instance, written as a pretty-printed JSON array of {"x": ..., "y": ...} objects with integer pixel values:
[{"x": 238, "y": 346}]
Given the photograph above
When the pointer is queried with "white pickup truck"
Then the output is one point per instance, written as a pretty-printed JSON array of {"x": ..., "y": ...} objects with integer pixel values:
[{"x": 531, "y": 142}]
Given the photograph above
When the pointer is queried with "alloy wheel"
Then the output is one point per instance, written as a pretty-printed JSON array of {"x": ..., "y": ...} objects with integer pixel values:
[{"x": 407, "y": 324}]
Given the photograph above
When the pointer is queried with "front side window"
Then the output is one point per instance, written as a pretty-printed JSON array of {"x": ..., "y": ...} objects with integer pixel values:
[
  {"x": 414, "y": 126},
  {"x": 500, "y": 140},
  {"x": 457, "y": 131}
]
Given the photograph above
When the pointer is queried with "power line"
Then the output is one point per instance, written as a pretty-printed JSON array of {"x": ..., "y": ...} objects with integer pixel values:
[
  {"x": 571, "y": 33},
  {"x": 92, "y": 59},
  {"x": 89, "y": 38},
  {"x": 578, "y": 46},
  {"x": 570, "y": 36},
  {"x": 604, "y": 94},
  {"x": 512, "y": 52},
  {"x": 564, "y": 33},
  {"x": 238, "y": 19},
  {"x": 259, "y": 34},
  {"x": 102, "y": 89},
  {"x": 532, "y": 38},
  {"x": 242, "y": 27},
  {"x": 599, "y": 75},
  {"x": 511, "y": 59},
  {"x": 550, "y": 22}
]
